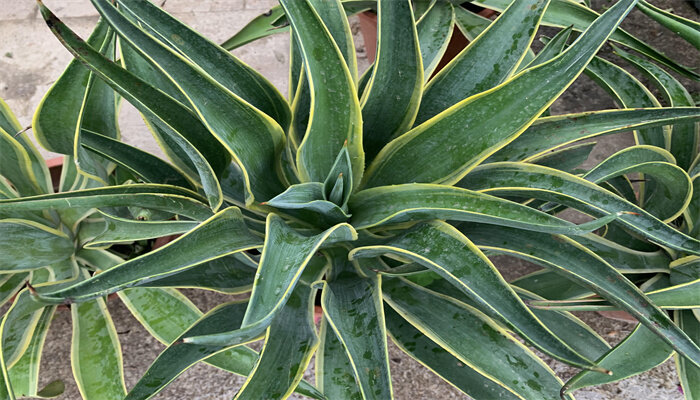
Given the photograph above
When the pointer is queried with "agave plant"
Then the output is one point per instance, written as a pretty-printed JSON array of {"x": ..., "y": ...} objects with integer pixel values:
[{"x": 383, "y": 194}]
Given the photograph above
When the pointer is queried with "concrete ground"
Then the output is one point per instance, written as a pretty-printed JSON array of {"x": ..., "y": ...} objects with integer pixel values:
[{"x": 31, "y": 59}]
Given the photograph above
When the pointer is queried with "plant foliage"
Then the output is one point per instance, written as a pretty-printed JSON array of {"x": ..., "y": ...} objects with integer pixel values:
[{"x": 380, "y": 195}]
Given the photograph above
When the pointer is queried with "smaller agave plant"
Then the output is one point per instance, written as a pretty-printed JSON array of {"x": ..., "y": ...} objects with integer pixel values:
[{"x": 382, "y": 195}]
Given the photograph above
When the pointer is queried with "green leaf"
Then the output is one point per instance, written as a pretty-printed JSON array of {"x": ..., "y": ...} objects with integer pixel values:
[
  {"x": 340, "y": 181},
  {"x": 490, "y": 59},
  {"x": 640, "y": 351},
  {"x": 218, "y": 63},
  {"x": 334, "y": 372},
  {"x": 421, "y": 348},
  {"x": 327, "y": 130},
  {"x": 413, "y": 202},
  {"x": 397, "y": 74},
  {"x": 29, "y": 245},
  {"x": 120, "y": 230},
  {"x": 290, "y": 342},
  {"x": 527, "y": 180},
  {"x": 684, "y": 137},
  {"x": 24, "y": 375},
  {"x": 16, "y": 167},
  {"x": 253, "y": 138},
  {"x": 178, "y": 356},
  {"x": 561, "y": 254},
  {"x": 18, "y": 325},
  {"x": 167, "y": 314},
  {"x": 628, "y": 92},
  {"x": 435, "y": 29},
  {"x": 551, "y": 285},
  {"x": 551, "y": 132},
  {"x": 688, "y": 373},
  {"x": 563, "y": 13},
  {"x": 624, "y": 259},
  {"x": 58, "y": 116},
  {"x": 145, "y": 165},
  {"x": 551, "y": 49},
  {"x": 566, "y": 159},
  {"x": 284, "y": 257},
  {"x": 158, "y": 197},
  {"x": 333, "y": 15},
  {"x": 185, "y": 131},
  {"x": 176, "y": 256},
  {"x": 96, "y": 355},
  {"x": 306, "y": 202},
  {"x": 11, "y": 284},
  {"x": 474, "y": 339},
  {"x": 9, "y": 124},
  {"x": 352, "y": 304},
  {"x": 439, "y": 151},
  {"x": 672, "y": 189},
  {"x": 685, "y": 28},
  {"x": 450, "y": 254},
  {"x": 231, "y": 275}
]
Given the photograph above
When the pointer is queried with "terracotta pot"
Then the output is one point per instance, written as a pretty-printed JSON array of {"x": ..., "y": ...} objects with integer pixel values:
[
  {"x": 368, "y": 29},
  {"x": 55, "y": 166}
]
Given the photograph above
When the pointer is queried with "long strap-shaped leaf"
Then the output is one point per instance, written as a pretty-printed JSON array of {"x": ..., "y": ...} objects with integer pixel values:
[
  {"x": 689, "y": 373},
  {"x": 446, "y": 147},
  {"x": 28, "y": 245},
  {"x": 352, "y": 305},
  {"x": 223, "y": 234},
  {"x": 334, "y": 374},
  {"x": 285, "y": 255},
  {"x": 187, "y": 132},
  {"x": 684, "y": 137},
  {"x": 527, "y": 180},
  {"x": 253, "y": 138},
  {"x": 24, "y": 375},
  {"x": 435, "y": 29},
  {"x": 488, "y": 60},
  {"x": 563, "y": 13},
  {"x": 421, "y": 348},
  {"x": 159, "y": 197},
  {"x": 332, "y": 90},
  {"x": 551, "y": 132},
  {"x": 96, "y": 355},
  {"x": 149, "y": 306},
  {"x": 584, "y": 267},
  {"x": 624, "y": 259},
  {"x": 685, "y": 28},
  {"x": 57, "y": 116},
  {"x": 145, "y": 165},
  {"x": 120, "y": 230},
  {"x": 9, "y": 124},
  {"x": 418, "y": 201},
  {"x": 444, "y": 250},
  {"x": 397, "y": 74},
  {"x": 628, "y": 92},
  {"x": 474, "y": 339},
  {"x": 16, "y": 167},
  {"x": 640, "y": 351},
  {"x": 290, "y": 342},
  {"x": 221, "y": 65}
]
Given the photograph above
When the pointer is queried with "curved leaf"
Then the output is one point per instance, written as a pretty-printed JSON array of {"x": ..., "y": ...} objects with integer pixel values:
[
  {"x": 527, "y": 180},
  {"x": 352, "y": 305},
  {"x": 447, "y": 252},
  {"x": 171, "y": 118},
  {"x": 489, "y": 59},
  {"x": 559, "y": 253},
  {"x": 334, "y": 374},
  {"x": 29, "y": 245},
  {"x": 121, "y": 230},
  {"x": 327, "y": 129},
  {"x": 24, "y": 375},
  {"x": 563, "y": 13},
  {"x": 640, "y": 351},
  {"x": 435, "y": 29},
  {"x": 413, "y": 202},
  {"x": 397, "y": 74},
  {"x": 446, "y": 147},
  {"x": 688, "y": 373},
  {"x": 474, "y": 339},
  {"x": 223, "y": 234},
  {"x": 551, "y": 132},
  {"x": 685, "y": 28}
]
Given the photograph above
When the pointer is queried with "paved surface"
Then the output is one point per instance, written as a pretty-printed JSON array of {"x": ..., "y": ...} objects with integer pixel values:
[{"x": 31, "y": 59}]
